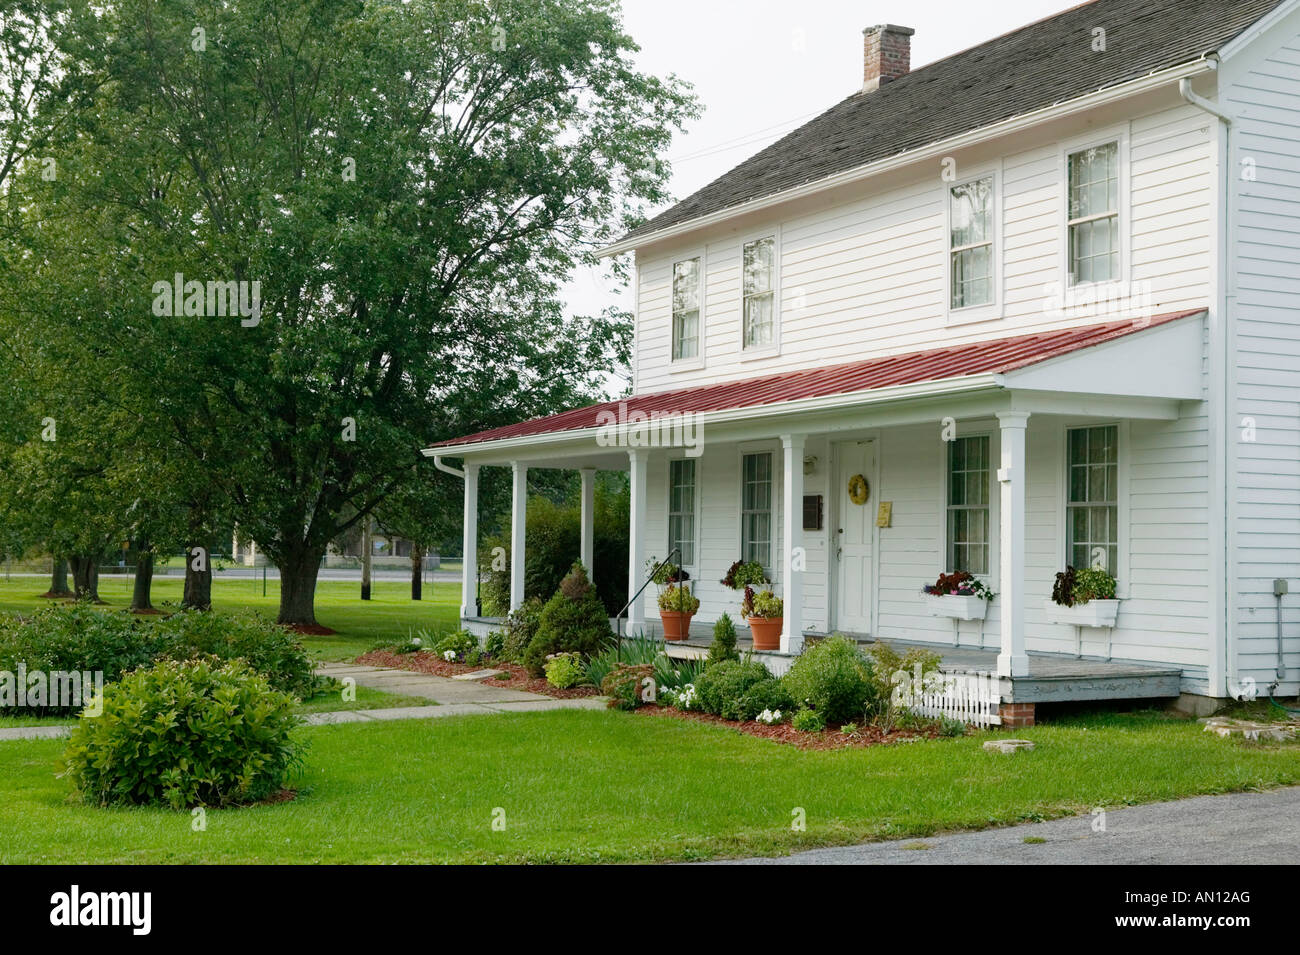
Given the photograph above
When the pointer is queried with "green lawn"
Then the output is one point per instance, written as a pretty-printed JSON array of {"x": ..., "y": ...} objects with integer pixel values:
[
  {"x": 589, "y": 786},
  {"x": 389, "y": 614}
]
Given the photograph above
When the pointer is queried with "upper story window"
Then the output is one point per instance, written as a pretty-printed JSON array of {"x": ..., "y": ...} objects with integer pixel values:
[
  {"x": 760, "y": 292},
  {"x": 970, "y": 243},
  {"x": 968, "y": 504},
  {"x": 1094, "y": 233},
  {"x": 686, "y": 309},
  {"x": 1092, "y": 505}
]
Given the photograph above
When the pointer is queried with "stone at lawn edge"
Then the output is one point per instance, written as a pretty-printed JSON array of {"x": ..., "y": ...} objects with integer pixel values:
[
  {"x": 1008, "y": 745},
  {"x": 1249, "y": 729}
]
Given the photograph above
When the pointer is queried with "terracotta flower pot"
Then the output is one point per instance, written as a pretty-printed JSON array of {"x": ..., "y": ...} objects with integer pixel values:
[
  {"x": 677, "y": 624},
  {"x": 766, "y": 632}
]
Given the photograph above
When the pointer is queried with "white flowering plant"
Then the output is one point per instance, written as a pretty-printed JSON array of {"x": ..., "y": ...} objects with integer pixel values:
[
  {"x": 449, "y": 656},
  {"x": 683, "y": 698},
  {"x": 770, "y": 717}
]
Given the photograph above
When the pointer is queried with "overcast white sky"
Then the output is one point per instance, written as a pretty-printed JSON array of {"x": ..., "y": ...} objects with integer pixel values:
[{"x": 762, "y": 67}]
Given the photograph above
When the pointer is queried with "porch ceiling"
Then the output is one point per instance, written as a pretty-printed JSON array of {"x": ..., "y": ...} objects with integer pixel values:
[{"x": 1154, "y": 360}]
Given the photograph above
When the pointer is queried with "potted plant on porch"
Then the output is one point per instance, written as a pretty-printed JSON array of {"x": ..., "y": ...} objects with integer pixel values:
[
  {"x": 677, "y": 605},
  {"x": 762, "y": 609},
  {"x": 959, "y": 595},
  {"x": 1083, "y": 598}
]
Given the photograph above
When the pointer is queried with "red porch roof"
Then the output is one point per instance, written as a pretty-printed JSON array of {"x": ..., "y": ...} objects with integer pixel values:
[{"x": 935, "y": 364}]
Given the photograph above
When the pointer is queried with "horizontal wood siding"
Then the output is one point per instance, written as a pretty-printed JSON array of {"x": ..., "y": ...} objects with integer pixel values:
[
  {"x": 867, "y": 276},
  {"x": 1265, "y": 98}
]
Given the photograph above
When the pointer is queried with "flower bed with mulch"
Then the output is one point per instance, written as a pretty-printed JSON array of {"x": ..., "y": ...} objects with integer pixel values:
[
  {"x": 830, "y": 738},
  {"x": 424, "y": 661}
]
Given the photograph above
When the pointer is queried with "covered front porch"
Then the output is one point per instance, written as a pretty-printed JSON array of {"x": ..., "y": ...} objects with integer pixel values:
[{"x": 725, "y": 477}]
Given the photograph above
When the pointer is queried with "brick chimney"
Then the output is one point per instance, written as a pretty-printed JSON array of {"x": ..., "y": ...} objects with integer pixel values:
[{"x": 886, "y": 54}]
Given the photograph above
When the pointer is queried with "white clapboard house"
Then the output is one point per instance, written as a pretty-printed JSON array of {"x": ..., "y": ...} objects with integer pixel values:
[{"x": 1043, "y": 298}]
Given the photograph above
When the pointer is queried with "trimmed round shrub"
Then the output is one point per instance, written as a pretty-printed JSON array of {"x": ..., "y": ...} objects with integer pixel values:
[
  {"x": 271, "y": 650},
  {"x": 573, "y": 621},
  {"x": 834, "y": 678},
  {"x": 768, "y": 694},
  {"x": 722, "y": 685},
  {"x": 808, "y": 721},
  {"x": 77, "y": 638},
  {"x": 181, "y": 734}
]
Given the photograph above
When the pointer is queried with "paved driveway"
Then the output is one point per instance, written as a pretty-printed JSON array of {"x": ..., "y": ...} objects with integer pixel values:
[{"x": 1237, "y": 829}]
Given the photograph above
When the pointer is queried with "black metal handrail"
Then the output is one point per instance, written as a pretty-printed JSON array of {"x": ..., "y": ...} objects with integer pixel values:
[{"x": 618, "y": 617}]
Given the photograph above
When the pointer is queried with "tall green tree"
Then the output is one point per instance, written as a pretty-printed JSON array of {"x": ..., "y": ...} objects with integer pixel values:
[{"x": 409, "y": 184}]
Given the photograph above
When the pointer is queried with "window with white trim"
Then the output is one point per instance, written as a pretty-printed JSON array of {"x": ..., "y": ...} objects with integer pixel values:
[
  {"x": 970, "y": 243},
  {"x": 759, "y": 267},
  {"x": 681, "y": 509},
  {"x": 968, "y": 504},
  {"x": 686, "y": 309},
  {"x": 756, "y": 508},
  {"x": 1092, "y": 502},
  {"x": 1093, "y": 226}
]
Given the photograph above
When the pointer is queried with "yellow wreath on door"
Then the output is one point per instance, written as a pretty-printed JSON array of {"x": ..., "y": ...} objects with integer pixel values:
[{"x": 859, "y": 489}]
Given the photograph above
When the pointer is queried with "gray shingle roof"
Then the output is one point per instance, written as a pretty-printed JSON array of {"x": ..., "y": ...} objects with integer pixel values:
[{"x": 1047, "y": 62}]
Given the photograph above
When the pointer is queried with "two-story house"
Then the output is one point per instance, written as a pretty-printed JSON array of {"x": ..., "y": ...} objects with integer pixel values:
[{"x": 1033, "y": 305}]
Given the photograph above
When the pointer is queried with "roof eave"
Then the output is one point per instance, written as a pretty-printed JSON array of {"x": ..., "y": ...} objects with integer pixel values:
[
  {"x": 985, "y": 381},
  {"x": 1205, "y": 64}
]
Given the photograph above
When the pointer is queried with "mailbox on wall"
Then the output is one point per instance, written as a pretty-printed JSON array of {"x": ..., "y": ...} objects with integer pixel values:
[{"x": 812, "y": 512}]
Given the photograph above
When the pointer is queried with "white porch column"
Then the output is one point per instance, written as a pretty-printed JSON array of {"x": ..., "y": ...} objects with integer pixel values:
[
  {"x": 792, "y": 558},
  {"x": 1013, "y": 660},
  {"x": 469, "y": 572},
  {"x": 636, "y": 538},
  {"x": 518, "y": 523},
  {"x": 587, "y": 527}
]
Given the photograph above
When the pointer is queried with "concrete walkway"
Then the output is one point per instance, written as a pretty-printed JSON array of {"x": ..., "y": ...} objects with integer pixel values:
[
  {"x": 1236, "y": 829},
  {"x": 453, "y": 698}
]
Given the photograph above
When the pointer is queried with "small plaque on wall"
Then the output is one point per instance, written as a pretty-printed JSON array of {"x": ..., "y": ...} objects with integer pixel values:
[
  {"x": 885, "y": 514},
  {"x": 812, "y": 512}
]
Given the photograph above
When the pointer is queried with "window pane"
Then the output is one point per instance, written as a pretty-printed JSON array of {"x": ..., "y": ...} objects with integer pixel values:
[
  {"x": 760, "y": 258},
  {"x": 971, "y": 207},
  {"x": 1093, "y": 510},
  {"x": 756, "y": 508},
  {"x": 968, "y": 496},
  {"x": 758, "y": 319},
  {"x": 686, "y": 308}
]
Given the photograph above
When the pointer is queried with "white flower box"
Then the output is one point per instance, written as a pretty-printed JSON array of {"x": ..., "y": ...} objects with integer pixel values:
[
  {"x": 1094, "y": 613},
  {"x": 956, "y": 606}
]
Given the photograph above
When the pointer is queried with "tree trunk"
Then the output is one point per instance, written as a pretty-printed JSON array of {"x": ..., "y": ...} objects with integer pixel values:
[
  {"x": 298, "y": 588},
  {"x": 142, "y": 589},
  {"x": 59, "y": 580},
  {"x": 367, "y": 547},
  {"x": 198, "y": 579},
  {"x": 417, "y": 572},
  {"x": 85, "y": 578}
]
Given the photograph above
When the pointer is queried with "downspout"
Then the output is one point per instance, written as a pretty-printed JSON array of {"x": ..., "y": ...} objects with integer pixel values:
[{"x": 1227, "y": 297}]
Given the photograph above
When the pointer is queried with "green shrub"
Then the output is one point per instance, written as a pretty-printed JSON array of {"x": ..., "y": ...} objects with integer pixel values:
[
  {"x": 722, "y": 685},
  {"x": 564, "y": 670},
  {"x": 808, "y": 721},
  {"x": 75, "y": 638},
  {"x": 521, "y": 627},
  {"x": 494, "y": 645},
  {"x": 573, "y": 621},
  {"x": 271, "y": 650},
  {"x": 887, "y": 662},
  {"x": 553, "y": 536},
  {"x": 768, "y": 694},
  {"x": 834, "y": 678},
  {"x": 625, "y": 685},
  {"x": 183, "y": 734},
  {"x": 723, "y": 646}
]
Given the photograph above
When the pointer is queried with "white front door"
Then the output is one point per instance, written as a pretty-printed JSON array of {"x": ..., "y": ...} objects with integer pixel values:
[{"x": 852, "y": 540}]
